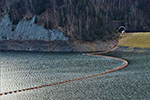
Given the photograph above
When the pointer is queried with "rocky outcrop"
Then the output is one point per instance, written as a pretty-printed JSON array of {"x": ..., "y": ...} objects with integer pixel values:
[
  {"x": 28, "y": 36},
  {"x": 27, "y": 30}
]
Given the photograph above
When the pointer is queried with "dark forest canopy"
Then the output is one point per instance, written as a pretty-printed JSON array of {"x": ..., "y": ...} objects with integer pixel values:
[{"x": 81, "y": 19}]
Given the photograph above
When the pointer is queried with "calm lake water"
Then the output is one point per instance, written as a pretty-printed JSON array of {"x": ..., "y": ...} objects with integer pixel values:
[{"x": 21, "y": 70}]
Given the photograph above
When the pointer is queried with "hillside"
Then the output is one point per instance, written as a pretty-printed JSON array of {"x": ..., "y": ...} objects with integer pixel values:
[{"x": 86, "y": 20}]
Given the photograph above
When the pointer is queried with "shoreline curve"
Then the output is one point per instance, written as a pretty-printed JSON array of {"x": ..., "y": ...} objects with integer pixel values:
[{"x": 77, "y": 79}]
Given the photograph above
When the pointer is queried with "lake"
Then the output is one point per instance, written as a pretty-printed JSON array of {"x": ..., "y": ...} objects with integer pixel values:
[{"x": 21, "y": 70}]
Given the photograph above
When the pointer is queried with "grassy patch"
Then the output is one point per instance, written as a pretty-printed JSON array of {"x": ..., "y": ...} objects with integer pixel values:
[{"x": 141, "y": 40}]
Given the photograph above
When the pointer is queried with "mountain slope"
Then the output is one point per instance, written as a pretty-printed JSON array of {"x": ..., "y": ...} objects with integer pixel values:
[{"x": 86, "y": 20}]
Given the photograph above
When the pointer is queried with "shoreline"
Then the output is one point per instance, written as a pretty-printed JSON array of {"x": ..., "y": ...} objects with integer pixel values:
[{"x": 55, "y": 46}]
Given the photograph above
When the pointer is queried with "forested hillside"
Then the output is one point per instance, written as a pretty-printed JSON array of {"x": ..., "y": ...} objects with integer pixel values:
[{"x": 81, "y": 19}]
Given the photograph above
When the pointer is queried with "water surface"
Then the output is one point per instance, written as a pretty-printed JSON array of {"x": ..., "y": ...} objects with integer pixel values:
[{"x": 27, "y": 69}]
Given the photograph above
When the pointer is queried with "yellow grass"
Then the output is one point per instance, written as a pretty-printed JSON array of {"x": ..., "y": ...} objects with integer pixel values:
[{"x": 141, "y": 40}]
